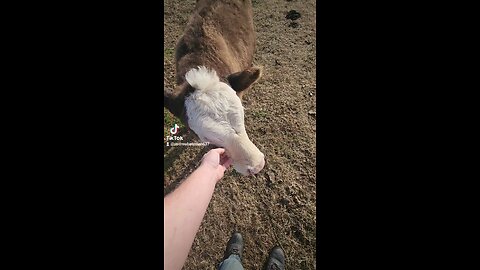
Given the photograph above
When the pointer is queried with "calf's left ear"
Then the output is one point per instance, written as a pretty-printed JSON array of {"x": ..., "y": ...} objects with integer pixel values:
[{"x": 243, "y": 80}]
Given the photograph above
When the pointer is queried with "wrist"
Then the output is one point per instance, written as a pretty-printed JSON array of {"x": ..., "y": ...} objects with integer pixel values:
[{"x": 208, "y": 172}]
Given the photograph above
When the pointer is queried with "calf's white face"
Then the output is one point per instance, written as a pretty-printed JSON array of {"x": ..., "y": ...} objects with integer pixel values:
[{"x": 215, "y": 113}]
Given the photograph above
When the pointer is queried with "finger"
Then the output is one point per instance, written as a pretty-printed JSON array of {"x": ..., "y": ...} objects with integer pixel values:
[
  {"x": 223, "y": 158},
  {"x": 218, "y": 150},
  {"x": 227, "y": 163},
  {"x": 220, "y": 174}
]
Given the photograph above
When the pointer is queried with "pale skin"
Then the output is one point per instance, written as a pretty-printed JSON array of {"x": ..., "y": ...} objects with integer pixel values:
[{"x": 185, "y": 207}]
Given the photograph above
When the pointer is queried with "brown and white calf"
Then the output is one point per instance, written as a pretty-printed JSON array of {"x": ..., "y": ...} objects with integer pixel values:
[{"x": 213, "y": 70}]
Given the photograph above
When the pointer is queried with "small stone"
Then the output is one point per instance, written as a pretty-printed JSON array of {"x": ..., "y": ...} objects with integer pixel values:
[
  {"x": 271, "y": 176},
  {"x": 312, "y": 112},
  {"x": 293, "y": 15},
  {"x": 284, "y": 201}
]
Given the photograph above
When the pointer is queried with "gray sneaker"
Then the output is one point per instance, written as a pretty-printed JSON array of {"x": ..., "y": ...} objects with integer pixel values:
[
  {"x": 276, "y": 259},
  {"x": 234, "y": 246}
]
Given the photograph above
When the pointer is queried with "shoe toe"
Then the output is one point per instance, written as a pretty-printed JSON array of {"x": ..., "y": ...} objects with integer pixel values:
[
  {"x": 278, "y": 254},
  {"x": 234, "y": 245},
  {"x": 236, "y": 238}
]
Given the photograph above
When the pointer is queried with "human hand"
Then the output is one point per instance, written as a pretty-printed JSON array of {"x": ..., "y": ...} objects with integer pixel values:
[{"x": 218, "y": 161}]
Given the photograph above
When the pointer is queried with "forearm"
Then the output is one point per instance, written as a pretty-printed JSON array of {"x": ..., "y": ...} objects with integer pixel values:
[{"x": 184, "y": 210}]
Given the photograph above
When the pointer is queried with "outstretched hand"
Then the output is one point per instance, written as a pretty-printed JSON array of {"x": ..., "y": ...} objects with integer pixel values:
[{"x": 218, "y": 161}]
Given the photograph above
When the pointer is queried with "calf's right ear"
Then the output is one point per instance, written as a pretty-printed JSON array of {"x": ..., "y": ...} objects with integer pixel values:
[
  {"x": 168, "y": 94},
  {"x": 174, "y": 101}
]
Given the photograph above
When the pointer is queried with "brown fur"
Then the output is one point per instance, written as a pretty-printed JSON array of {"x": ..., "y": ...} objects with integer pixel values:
[{"x": 220, "y": 35}]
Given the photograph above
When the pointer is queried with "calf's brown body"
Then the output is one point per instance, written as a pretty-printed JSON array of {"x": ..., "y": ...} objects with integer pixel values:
[{"x": 220, "y": 36}]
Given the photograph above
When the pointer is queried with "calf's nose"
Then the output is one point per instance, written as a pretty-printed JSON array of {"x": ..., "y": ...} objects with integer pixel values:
[{"x": 258, "y": 168}]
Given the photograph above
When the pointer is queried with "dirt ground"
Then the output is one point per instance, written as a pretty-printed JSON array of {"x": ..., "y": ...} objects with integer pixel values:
[{"x": 279, "y": 205}]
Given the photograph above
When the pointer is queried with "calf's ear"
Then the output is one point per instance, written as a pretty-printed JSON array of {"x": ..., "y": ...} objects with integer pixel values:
[
  {"x": 168, "y": 97},
  {"x": 174, "y": 99},
  {"x": 243, "y": 80}
]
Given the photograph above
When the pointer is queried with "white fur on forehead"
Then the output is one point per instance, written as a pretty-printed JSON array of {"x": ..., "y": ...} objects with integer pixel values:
[
  {"x": 214, "y": 111},
  {"x": 202, "y": 78}
]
